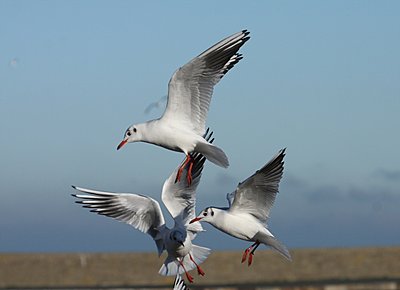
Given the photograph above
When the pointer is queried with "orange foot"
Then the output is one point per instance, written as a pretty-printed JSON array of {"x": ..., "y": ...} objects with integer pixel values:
[
  {"x": 200, "y": 271},
  {"x": 250, "y": 259},
  {"x": 244, "y": 257},
  {"x": 189, "y": 277}
]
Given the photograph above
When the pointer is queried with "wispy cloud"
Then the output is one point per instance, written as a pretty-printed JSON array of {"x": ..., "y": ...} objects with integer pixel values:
[
  {"x": 13, "y": 63},
  {"x": 160, "y": 103},
  {"x": 292, "y": 181},
  {"x": 225, "y": 178},
  {"x": 388, "y": 175}
]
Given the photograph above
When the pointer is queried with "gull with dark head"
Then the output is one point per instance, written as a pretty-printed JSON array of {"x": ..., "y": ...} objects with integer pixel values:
[
  {"x": 182, "y": 126},
  {"x": 144, "y": 213},
  {"x": 249, "y": 207}
]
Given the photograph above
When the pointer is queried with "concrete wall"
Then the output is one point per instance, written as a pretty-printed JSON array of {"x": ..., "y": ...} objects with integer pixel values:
[{"x": 311, "y": 269}]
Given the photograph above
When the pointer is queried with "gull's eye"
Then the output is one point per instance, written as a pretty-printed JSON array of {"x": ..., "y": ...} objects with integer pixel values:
[
  {"x": 128, "y": 133},
  {"x": 205, "y": 214},
  {"x": 134, "y": 130}
]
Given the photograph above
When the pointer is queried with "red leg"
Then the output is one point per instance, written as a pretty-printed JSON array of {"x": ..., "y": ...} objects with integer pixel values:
[
  {"x": 244, "y": 257},
  {"x": 188, "y": 276},
  {"x": 178, "y": 175},
  {"x": 252, "y": 253},
  {"x": 189, "y": 173},
  {"x": 199, "y": 270},
  {"x": 246, "y": 252},
  {"x": 250, "y": 259}
]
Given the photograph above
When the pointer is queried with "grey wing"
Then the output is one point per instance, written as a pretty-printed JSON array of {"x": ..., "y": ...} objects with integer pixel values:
[
  {"x": 191, "y": 86},
  {"x": 230, "y": 197},
  {"x": 139, "y": 211},
  {"x": 180, "y": 198},
  {"x": 256, "y": 195}
]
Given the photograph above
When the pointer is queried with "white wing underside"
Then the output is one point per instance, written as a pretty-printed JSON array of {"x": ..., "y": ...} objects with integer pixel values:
[
  {"x": 179, "y": 198},
  {"x": 141, "y": 212},
  {"x": 256, "y": 195},
  {"x": 191, "y": 86}
]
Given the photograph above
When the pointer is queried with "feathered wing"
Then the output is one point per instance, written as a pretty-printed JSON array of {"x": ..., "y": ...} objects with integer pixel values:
[
  {"x": 180, "y": 198},
  {"x": 191, "y": 86},
  {"x": 230, "y": 196},
  {"x": 179, "y": 283},
  {"x": 256, "y": 195},
  {"x": 141, "y": 212}
]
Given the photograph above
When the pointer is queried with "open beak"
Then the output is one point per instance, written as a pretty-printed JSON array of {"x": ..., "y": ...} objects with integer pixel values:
[
  {"x": 181, "y": 243},
  {"x": 195, "y": 220},
  {"x": 123, "y": 142}
]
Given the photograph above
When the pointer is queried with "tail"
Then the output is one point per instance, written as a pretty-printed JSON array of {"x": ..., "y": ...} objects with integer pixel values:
[
  {"x": 199, "y": 254},
  {"x": 171, "y": 266},
  {"x": 212, "y": 153},
  {"x": 274, "y": 243}
]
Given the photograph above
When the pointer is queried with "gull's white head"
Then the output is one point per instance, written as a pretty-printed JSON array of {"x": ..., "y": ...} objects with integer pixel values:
[
  {"x": 132, "y": 134},
  {"x": 178, "y": 237},
  {"x": 206, "y": 215}
]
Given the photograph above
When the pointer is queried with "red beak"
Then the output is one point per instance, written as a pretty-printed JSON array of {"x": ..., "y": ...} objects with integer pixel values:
[
  {"x": 195, "y": 220},
  {"x": 123, "y": 142}
]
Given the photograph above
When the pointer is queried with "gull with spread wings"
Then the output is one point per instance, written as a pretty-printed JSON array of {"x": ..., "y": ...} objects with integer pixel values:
[
  {"x": 144, "y": 213},
  {"x": 249, "y": 207},
  {"x": 182, "y": 126}
]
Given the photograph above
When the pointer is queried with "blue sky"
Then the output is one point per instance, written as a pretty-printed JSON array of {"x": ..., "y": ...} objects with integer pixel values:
[{"x": 320, "y": 78}]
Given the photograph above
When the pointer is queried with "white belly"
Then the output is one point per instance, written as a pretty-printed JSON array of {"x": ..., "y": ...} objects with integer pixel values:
[
  {"x": 241, "y": 226},
  {"x": 173, "y": 138}
]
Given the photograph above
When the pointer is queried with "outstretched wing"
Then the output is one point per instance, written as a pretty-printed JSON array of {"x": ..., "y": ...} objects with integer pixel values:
[
  {"x": 180, "y": 198},
  {"x": 256, "y": 195},
  {"x": 191, "y": 86},
  {"x": 179, "y": 283},
  {"x": 230, "y": 197},
  {"x": 139, "y": 211}
]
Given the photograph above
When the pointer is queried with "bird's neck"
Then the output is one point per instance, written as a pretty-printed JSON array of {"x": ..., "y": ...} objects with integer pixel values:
[
  {"x": 220, "y": 218},
  {"x": 156, "y": 132},
  {"x": 147, "y": 131}
]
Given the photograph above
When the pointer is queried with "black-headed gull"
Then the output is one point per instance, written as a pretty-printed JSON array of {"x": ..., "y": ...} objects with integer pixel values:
[
  {"x": 182, "y": 126},
  {"x": 249, "y": 206},
  {"x": 144, "y": 213}
]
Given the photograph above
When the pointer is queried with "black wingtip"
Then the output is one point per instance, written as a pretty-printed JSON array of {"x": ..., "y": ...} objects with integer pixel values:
[
  {"x": 283, "y": 151},
  {"x": 246, "y": 35},
  {"x": 206, "y": 133}
]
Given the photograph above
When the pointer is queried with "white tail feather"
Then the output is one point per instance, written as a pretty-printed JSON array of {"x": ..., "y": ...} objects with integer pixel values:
[
  {"x": 172, "y": 267},
  {"x": 277, "y": 245},
  {"x": 213, "y": 154}
]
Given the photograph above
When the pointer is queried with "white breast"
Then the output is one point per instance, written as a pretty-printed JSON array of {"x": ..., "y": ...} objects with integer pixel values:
[
  {"x": 240, "y": 225},
  {"x": 171, "y": 137}
]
